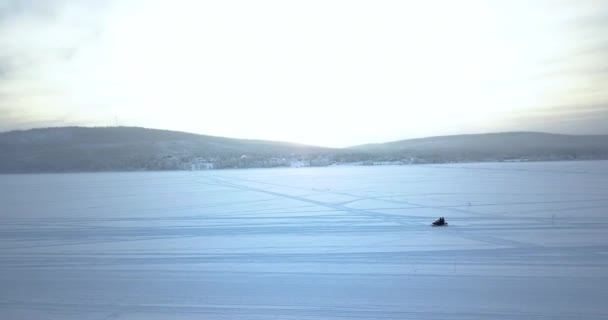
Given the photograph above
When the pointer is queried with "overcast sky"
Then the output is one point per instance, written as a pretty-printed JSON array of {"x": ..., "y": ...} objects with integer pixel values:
[{"x": 330, "y": 73}]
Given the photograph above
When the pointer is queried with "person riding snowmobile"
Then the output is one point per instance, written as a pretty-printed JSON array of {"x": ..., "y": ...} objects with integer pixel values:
[{"x": 439, "y": 222}]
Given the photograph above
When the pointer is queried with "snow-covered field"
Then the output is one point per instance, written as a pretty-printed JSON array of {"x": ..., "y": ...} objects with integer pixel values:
[{"x": 525, "y": 241}]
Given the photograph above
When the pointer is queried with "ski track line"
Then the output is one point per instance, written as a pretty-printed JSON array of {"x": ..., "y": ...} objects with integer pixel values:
[
  {"x": 395, "y": 218},
  {"x": 319, "y": 203}
]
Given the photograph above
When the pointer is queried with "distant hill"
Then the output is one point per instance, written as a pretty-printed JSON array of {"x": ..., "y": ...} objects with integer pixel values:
[
  {"x": 493, "y": 146},
  {"x": 71, "y": 149},
  {"x": 132, "y": 148}
]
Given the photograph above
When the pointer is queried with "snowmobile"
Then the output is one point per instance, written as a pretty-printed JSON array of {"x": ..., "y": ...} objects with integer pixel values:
[{"x": 440, "y": 223}]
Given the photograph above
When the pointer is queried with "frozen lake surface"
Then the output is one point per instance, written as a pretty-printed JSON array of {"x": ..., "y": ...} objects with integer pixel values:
[{"x": 525, "y": 241}]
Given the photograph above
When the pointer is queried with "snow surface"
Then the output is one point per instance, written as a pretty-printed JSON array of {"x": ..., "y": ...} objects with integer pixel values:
[{"x": 525, "y": 241}]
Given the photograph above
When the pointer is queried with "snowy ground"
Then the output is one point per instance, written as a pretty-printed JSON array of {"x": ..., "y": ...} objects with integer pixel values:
[{"x": 525, "y": 241}]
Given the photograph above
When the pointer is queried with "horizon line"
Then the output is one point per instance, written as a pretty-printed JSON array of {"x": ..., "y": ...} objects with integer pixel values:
[{"x": 298, "y": 143}]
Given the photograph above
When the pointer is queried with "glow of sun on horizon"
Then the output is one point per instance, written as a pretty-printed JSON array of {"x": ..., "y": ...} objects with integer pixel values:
[{"x": 331, "y": 73}]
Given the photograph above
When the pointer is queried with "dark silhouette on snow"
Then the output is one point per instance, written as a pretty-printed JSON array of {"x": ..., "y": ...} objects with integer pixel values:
[{"x": 440, "y": 222}]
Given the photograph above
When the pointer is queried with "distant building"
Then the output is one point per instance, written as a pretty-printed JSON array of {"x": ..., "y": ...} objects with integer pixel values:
[
  {"x": 298, "y": 163},
  {"x": 201, "y": 164}
]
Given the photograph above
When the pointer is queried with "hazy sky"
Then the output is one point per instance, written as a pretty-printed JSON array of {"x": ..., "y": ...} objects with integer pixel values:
[{"x": 331, "y": 73}]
